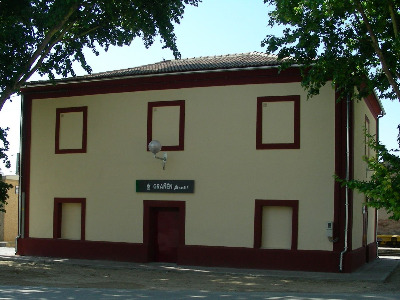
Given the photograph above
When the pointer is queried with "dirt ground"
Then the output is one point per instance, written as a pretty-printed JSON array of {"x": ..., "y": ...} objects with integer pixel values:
[{"x": 57, "y": 273}]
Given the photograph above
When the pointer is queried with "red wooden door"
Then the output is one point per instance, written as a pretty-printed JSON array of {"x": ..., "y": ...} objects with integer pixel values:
[{"x": 166, "y": 234}]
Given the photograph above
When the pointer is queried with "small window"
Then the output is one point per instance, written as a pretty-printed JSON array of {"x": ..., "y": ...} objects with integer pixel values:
[
  {"x": 276, "y": 224},
  {"x": 69, "y": 218},
  {"x": 71, "y": 130},
  {"x": 278, "y": 122},
  {"x": 166, "y": 123}
]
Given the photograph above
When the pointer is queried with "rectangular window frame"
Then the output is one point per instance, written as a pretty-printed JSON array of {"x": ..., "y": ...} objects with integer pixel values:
[
  {"x": 59, "y": 111},
  {"x": 57, "y": 215},
  {"x": 181, "y": 104},
  {"x": 258, "y": 215},
  {"x": 259, "y": 132}
]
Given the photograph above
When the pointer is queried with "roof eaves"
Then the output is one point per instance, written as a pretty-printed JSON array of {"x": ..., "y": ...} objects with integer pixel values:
[{"x": 81, "y": 79}]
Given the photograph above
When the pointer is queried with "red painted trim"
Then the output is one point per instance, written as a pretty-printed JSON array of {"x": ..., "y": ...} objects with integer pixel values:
[
  {"x": 26, "y": 159},
  {"x": 170, "y": 81},
  {"x": 372, "y": 251},
  {"x": 373, "y": 104},
  {"x": 305, "y": 260},
  {"x": 351, "y": 176},
  {"x": 358, "y": 257},
  {"x": 148, "y": 207},
  {"x": 340, "y": 170},
  {"x": 259, "y": 204},
  {"x": 57, "y": 215},
  {"x": 181, "y": 104},
  {"x": 82, "y": 249},
  {"x": 296, "y": 116},
  {"x": 233, "y": 257},
  {"x": 59, "y": 111}
]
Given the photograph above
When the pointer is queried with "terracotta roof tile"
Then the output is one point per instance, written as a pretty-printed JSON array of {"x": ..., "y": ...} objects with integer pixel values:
[{"x": 206, "y": 63}]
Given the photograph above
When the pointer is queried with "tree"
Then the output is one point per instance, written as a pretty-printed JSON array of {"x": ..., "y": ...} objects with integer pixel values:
[
  {"x": 354, "y": 43},
  {"x": 383, "y": 189},
  {"x": 4, "y": 187},
  {"x": 47, "y": 36}
]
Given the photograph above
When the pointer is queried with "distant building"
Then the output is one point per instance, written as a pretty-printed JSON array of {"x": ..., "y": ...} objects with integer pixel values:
[
  {"x": 248, "y": 180},
  {"x": 9, "y": 220},
  {"x": 386, "y": 225}
]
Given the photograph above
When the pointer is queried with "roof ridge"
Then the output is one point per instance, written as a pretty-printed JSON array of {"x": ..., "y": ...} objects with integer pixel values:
[
  {"x": 230, "y": 55},
  {"x": 236, "y": 61}
]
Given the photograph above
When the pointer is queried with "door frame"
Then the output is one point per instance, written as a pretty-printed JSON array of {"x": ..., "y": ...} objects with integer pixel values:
[{"x": 149, "y": 206}]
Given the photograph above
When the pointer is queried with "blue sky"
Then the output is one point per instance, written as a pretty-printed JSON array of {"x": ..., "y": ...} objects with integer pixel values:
[{"x": 216, "y": 27}]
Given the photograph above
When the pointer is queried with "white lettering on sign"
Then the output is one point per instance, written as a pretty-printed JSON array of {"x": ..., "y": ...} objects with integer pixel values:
[
  {"x": 184, "y": 187},
  {"x": 167, "y": 186},
  {"x": 162, "y": 186}
]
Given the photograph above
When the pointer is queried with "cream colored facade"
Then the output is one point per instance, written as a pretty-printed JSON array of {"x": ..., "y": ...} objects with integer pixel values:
[{"x": 220, "y": 156}]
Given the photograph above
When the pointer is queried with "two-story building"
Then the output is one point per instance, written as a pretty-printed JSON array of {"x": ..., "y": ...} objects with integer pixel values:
[{"x": 246, "y": 181}]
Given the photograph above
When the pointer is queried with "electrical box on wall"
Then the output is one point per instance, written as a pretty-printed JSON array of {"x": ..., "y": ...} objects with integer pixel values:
[{"x": 329, "y": 229}]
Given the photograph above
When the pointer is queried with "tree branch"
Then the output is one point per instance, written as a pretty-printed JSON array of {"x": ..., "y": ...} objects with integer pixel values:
[
  {"x": 378, "y": 51},
  {"x": 393, "y": 17},
  {"x": 43, "y": 55},
  {"x": 38, "y": 56}
]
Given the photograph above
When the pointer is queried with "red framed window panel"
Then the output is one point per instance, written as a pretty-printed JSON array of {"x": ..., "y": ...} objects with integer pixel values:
[
  {"x": 166, "y": 123},
  {"x": 71, "y": 130},
  {"x": 291, "y": 206},
  {"x": 278, "y": 122},
  {"x": 69, "y": 218}
]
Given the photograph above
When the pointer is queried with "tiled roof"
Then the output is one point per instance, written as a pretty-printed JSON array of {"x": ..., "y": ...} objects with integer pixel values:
[{"x": 206, "y": 63}]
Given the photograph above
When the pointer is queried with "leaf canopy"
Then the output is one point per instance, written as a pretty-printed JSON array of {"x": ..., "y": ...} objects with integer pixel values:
[
  {"x": 354, "y": 43},
  {"x": 48, "y": 36},
  {"x": 383, "y": 188}
]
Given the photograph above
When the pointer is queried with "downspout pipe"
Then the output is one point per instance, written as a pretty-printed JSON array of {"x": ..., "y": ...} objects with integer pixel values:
[{"x": 346, "y": 225}]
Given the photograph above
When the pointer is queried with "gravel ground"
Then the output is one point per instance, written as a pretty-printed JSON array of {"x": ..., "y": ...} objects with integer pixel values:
[{"x": 77, "y": 274}]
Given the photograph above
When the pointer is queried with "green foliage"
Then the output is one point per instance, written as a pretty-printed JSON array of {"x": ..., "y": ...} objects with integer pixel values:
[
  {"x": 49, "y": 35},
  {"x": 354, "y": 43},
  {"x": 4, "y": 187},
  {"x": 383, "y": 189},
  {"x": 4, "y": 147}
]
